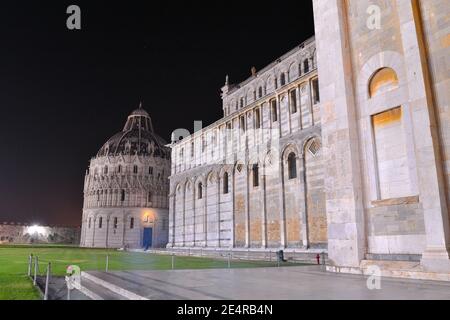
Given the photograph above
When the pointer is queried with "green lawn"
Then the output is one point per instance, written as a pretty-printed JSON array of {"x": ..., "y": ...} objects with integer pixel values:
[{"x": 14, "y": 284}]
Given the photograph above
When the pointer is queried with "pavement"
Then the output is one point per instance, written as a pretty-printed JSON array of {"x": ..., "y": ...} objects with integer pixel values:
[{"x": 285, "y": 283}]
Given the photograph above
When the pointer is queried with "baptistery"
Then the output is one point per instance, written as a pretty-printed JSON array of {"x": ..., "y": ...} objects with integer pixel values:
[{"x": 126, "y": 189}]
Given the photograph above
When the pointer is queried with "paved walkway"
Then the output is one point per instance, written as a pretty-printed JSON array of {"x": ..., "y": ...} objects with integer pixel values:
[{"x": 290, "y": 283}]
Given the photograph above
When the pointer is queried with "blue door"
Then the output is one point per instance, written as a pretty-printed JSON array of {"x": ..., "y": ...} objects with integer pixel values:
[{"x": 147, "y": 241}]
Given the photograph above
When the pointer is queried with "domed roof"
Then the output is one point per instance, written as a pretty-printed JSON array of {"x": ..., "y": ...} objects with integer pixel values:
[{"x": 137, "y": 137}]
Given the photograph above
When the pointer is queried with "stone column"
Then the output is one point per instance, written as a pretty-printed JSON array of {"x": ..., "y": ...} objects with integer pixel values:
[
  {"x": 247, "y": 211},
  {"x": 282, "y": 206},
  {"x": 124, "y": 224},
  {"x": 218, "y": 211},
  {"x": 233, "y": 209},
  {"x": 302, "y": 198},
  {"x": 172, "y": 215},
  {"x": 426, "y": 138},
  {"x": 93, "y": 231},
  {"x": 343, "y": 189},
  {"x": 184, "y": 215},
  {"x": 264, "y": 211},
  {"x": 205, "y": 212},
  {"x": 107, "y": 231}
]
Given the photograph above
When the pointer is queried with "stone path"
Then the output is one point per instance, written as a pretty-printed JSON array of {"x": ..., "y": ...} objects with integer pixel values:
[{"x": 292, "y": 283}]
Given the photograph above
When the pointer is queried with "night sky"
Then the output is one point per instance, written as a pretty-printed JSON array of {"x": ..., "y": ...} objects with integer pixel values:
[{"x": 64, "y": 93}]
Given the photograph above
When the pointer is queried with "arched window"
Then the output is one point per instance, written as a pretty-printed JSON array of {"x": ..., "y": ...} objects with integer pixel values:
[
  {"x": 283, "y": 79},
  {"x": 260, "y": 92},
  {"x": 119, "y": 169},
  {"x": 89, "y": 223},
  {"x": 135, "y": 169},
  {"x": 115, "y": 223},
  {"x": 149, "y": 196},
  {"x": 255, "y": 171},
  {"x": 200, "y": 190},
  {"x": 122, "y": 195},
  {"x": 150, "y": 170},
  {"x": 292, "y": 166},
  {"x": 383, "y": 80},
  {"x": 225, "y": 183},
  {"x": 100, "y": 222}
]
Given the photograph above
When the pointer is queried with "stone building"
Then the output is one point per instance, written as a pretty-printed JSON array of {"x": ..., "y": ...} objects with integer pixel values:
[
  {"x": 254, "y": 179},
  {"x": 362, "y": 169},
  {"x": 126, "y": 189}
]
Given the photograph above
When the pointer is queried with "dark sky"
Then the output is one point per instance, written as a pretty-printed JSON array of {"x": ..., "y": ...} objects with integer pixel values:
[{"x": 64, "y": 93}]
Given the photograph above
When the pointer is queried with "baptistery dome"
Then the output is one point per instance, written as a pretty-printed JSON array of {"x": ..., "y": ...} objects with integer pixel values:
[
  {"x": 126, "y": 189},
  {"x": 137, "y": 137}
]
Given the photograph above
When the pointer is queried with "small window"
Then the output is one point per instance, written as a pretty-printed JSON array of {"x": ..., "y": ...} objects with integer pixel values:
[
  {"x": 89, "y": 223},
  {"x": 122, "y": 195},
  {"x": 283, "y": 79},
  {"x": 255, "y": 171},
  {"x": 135, "y": 169},
  {"x": 293, "y": 100},
  {"x": 192, "y": 149},
  {"x": 315, "y": 87},
  {"x": 105, "y": 170},
  {"x": 260, "y": 92},
  {"x": 200, "y": 190},
  {"x": 274, "y": 110},
  {"x": 257, "y": 119},
  {"x": 132, "y": 223},
  {"x": 115, "y": 223},
  {"x": 292, "y": 166},
  {"x": 225, "y": 183},
  {"x": 276, "y": 83},
  {"x": 242, "y": 102},
  {"x": 119, "y": 169},
  {"x": 100, "y": 222},
  {"x": 203, "y": 144},
  {"x": 149, "y": 196},
  {"x": 150, "y": 170},
  {"x": 242, "y": 123},
  {"x": 306, "y": 66}
]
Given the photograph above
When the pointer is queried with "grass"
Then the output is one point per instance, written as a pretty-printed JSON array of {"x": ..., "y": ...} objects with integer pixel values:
[{"x": 15, "y": 285}]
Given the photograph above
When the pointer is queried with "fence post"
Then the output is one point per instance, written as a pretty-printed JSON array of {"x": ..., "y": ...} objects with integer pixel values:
[
  {"x": 107, "y": 263},
  {"x": 173, "y": 261},
  {"x": 229, "y": 260},
  {"x": 30, "y": 264},
  {"x": 36, "y": 266},
  {"x": 47, "y": 278}
]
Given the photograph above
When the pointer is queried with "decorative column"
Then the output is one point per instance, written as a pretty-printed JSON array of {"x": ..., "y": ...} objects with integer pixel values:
[
  {"x": 107, "y": 231},
  {"x": 205, "y": 212},
  {"x": 345, "y": 212},
  {"x": 233, "y": 208},
  {"x": 282, "y": 204},
  {"x": 247, "y": 211},
  {"x": 426, "y": 137},
  {"x": 184, "y": 214},
  {"x": 302, "y": 198},
  {"x": 218, "y": 210},
  {"x": 264, "y": 211}
]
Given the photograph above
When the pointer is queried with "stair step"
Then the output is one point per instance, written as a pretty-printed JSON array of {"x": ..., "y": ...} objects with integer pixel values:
[
  {"x": 102, "y": 280},
  {"x": 96, "y": 291}
]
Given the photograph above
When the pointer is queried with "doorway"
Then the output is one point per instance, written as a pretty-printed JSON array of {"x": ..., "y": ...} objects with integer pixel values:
[{"x": 147, "y": 239}]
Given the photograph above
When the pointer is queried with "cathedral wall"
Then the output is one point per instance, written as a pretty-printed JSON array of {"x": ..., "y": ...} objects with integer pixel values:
[
  {"x": 383, "y": 176},
  {"x": 436, "y": 29},
  {"x": 274, "y": 110}
]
